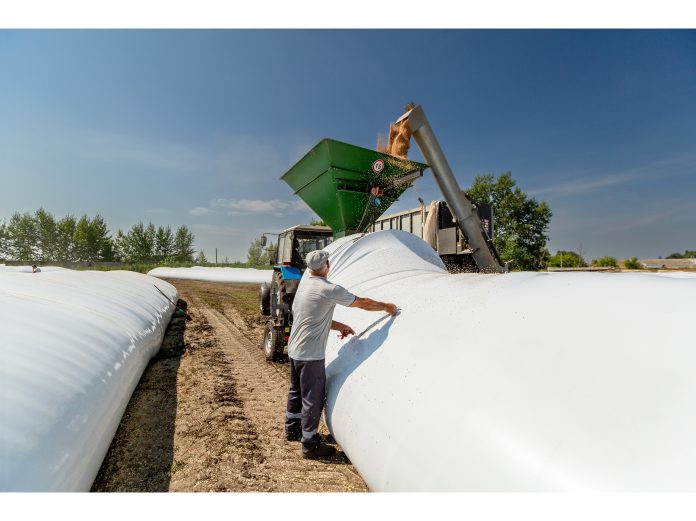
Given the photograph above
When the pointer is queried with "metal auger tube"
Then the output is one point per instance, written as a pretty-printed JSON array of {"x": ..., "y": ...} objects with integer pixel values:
[{"x": 462, "y": 209}]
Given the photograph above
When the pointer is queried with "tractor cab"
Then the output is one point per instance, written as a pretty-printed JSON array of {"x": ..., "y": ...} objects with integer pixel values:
[{"x": 295, "y": 243}]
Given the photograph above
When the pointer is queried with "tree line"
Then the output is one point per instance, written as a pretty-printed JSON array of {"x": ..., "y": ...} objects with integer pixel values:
[
  {"x": 41, "y": 237},
  {"x": 571, "y": 259},
  {"x": 688, "y": 254}
]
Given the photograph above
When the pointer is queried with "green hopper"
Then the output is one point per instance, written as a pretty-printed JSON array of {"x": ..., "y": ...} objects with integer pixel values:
[{"x": 349, "y": 186}]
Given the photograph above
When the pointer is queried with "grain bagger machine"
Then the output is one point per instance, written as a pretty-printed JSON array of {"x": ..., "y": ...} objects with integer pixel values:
[{"x": 349, "y": 187}]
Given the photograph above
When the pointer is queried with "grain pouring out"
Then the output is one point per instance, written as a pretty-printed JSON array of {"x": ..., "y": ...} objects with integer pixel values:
[{"x": 399, "y": 138}]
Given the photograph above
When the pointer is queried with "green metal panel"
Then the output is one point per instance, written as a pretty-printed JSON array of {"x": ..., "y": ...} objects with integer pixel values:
[{"x": 335, "y": 180}]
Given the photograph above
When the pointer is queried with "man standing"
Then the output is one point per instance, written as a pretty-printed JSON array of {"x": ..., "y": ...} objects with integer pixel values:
[{"x": 312, "y": 310}]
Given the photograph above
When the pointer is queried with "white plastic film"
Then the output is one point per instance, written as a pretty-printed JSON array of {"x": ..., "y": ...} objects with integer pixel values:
[
  {"x": 28, "y": 269},
  {"x": 511, "y": 382},
  {"x": 430, "y": 226},
  {"x": 213, "y": 274},
  {"x": 74, "y": 345}
]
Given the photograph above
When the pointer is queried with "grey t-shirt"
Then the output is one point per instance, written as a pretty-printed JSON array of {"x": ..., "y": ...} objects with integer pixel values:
[{"x": 312, "y": 311}]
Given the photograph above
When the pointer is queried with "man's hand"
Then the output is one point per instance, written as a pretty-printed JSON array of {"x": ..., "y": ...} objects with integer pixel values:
[
  {"x": 374, "y": 305},
  {"x": 345, "y": 332},
  {"x": 391, "y": 309},
  {"x": 344, "y": 329}
]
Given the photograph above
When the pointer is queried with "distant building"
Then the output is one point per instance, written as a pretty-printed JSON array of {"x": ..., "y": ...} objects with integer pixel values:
[
  {"x": 668, "y": 264},
  {"x": 586, "y": 268}
]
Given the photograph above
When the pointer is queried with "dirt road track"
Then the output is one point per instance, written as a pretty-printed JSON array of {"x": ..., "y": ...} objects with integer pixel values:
[{"x": 212, "y": 419}]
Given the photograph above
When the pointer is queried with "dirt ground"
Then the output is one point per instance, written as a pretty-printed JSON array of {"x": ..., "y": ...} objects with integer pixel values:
[{"x": 211, "y": 419}]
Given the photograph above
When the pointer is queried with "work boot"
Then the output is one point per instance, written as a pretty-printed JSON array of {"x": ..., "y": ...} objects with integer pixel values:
[
  {"x": 293, "y": 435},
  {"x": 320, "y": 450},
  {"x": 296, "y": 435}
]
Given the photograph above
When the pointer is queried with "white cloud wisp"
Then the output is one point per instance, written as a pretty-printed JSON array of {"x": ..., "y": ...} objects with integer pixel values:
[{"x": 276, "y": 207}]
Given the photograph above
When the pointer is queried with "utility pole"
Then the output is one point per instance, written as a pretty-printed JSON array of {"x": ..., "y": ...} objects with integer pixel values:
[{"x": 215, "y": 255}]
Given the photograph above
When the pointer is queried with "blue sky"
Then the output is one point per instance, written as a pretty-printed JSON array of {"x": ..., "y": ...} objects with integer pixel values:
[{"x": 196, "y": 127}]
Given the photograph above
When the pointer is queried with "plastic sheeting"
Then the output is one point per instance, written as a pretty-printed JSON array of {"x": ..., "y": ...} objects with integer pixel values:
[
  {"x": 74, "y": 345},
  {"x": 430, "y": 226},
  {"x": 675, "y": 274},
  {"x": 241, "y": 275},
  {"x": 28, "y": 269},
  {"x": 514, "y": 382}
]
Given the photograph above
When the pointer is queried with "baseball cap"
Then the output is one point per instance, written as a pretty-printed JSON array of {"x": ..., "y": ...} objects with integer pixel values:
[{"x": 316, "y": 260}]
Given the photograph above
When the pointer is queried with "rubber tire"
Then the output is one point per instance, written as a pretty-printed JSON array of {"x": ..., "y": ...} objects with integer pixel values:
[
  {"x": 278, "y": 285},
  {"x": 272, "y": 343},
  {"x": 265, "y": 299}
]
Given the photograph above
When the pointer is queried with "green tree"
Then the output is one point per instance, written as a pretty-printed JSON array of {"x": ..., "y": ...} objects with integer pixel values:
[
  {"x": 520, "y": 222},
  {"x": 64, "y": 246},
  {"x": 317, "y": 222},
  {"x": 21, "y": 237},
  {"x": 150, "y": 234},
  {"x": 3, "y": 241},
  {"x": 108, "y": 251},
  {"x": 46, "y": 229},
  {"x": 122, "y": 247},
  {"x": 183, "y": 244},
  {"x": 566, "y": 259},
  {"x": 101, "y": 245},
  {"x": 141, "y": 242},
  {"x": 201, "y": 258},
  {"x": 92, "y": 242},
  {"x": 605, "y": 262},
  {"x": 164, "y": 243},
  {"x": 255, "y": 254},
  {"x": 81, "y": 239},
  {"x": 137, "y": 245},
  {"x": 632, "y": 264}
]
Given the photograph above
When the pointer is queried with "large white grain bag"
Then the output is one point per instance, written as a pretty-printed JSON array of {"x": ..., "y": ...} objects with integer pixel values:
[
  {"x": 511, "y": 382},
  {"x": 214, "y": 274},
  {"x": 73, "y": 346}
]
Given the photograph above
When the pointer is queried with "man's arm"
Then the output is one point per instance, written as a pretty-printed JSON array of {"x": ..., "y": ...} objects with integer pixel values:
[
  {"x": 368, "y": 305},
  {"x": 373, "y": 305}
]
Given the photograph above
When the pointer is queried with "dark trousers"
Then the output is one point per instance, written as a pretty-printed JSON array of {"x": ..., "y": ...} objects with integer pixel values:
[{"x": 306, "y": 399}]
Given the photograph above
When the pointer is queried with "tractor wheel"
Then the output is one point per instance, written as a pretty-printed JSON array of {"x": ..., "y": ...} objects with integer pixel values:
[
  {"x": 272, "y": 342},
  {"x": 265, "y": 299},
  {"x": 278, "y": 285}
]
